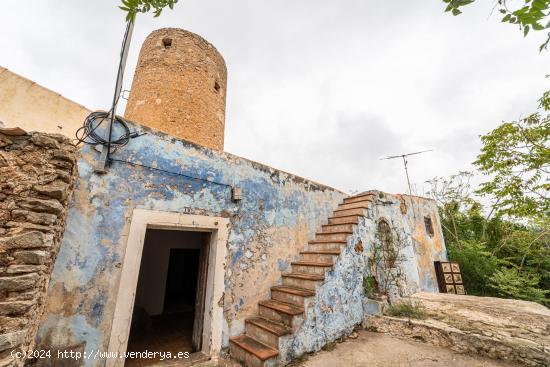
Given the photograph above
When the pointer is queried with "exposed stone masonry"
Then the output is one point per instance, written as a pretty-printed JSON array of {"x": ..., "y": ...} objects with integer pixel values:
[
  {"x": 179, "y": 87},
  {"x": 37, "y": 176}
]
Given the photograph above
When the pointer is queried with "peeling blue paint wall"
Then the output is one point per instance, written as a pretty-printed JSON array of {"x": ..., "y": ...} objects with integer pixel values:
[
  {"x": 339, "y": 303},
  {"x": 278, "y": 214}
]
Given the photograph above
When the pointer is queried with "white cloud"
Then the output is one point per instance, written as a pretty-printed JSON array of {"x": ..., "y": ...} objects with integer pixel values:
[{"x": 322, "y": 89}]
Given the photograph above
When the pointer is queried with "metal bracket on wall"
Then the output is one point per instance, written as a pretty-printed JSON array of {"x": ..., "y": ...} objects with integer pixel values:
[{"x": 101, "y": 166}]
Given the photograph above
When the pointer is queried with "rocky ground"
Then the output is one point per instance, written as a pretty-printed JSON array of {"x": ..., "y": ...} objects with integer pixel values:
[
  {"x": 382, "y": 350},
  {"x": 498, "y": 328}
]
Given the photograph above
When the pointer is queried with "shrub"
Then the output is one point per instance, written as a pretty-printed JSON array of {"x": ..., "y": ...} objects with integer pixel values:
[
  {"x": 478, "y": 266},
  {"x": 406, "y": 309},
  {"x": 511, "y": 283},
  {"x": 370, "y": 286}
]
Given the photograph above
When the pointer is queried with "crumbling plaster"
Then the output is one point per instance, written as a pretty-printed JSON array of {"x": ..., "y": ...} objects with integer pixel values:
[
  {"x": 339, "y": 304},
  {"x": 277, "y": 215}
]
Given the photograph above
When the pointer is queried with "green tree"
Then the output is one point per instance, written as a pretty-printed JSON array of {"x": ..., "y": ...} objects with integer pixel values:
[
  {"x": 498, "y": 256},
  {"x": 511, "y": 283},
  {"x": 516, "y": 157},
  {"x": 527, "y": 15},
  {"x": 132, "y": 7}
]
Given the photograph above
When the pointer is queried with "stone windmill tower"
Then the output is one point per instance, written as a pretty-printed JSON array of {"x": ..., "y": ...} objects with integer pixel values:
[{"x": 179, "y": 87}]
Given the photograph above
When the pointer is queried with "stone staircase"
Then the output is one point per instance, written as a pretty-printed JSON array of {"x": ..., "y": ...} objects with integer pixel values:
[{"x": 281, "y": 316}]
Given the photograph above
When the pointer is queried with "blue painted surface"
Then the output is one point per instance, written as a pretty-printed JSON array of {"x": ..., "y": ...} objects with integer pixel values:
[
  {"x": 340, "y": 302},
  {"x": 278, "y": 214}
]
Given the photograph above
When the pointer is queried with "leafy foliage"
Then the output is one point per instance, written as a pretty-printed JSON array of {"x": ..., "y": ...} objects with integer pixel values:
[
  {"x": 511, "y": 283},
  {"x": 132, "y": 7},
  {"x": 530, "y": 15},
  {"x": 499, "y": 257},
  {"x": 370, "y": 286},
  {"x": 517, "y": 157},
  {"x": 478, "y": 265}
]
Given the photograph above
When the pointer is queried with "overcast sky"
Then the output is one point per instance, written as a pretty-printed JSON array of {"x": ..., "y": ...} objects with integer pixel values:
[{"x": 323, "y": 88}]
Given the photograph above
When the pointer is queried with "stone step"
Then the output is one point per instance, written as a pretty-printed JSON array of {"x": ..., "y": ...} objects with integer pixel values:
[
  {"x": 358, "y": 198},
  {"x": 348, "y": 212},
  {"x": 292, "y": 295},
  {"x": 280, "y": 312},
  {"x": 311, "y": 267},
  {"x": 337, "y": 228},
  {"x": 303, "y": 280},
  {"x": 332, "y": 236},
  {"x": 266, "y": 331},
  {"x": 318, "y": 255},
  {"x": 252, "y": 353},
  {"x": 326, "y": 245},
  {"x": 348, "y": 219},
  {"x": 358, "y": 204}
]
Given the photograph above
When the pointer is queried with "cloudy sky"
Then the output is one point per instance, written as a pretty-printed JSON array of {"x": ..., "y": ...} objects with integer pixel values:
[{"x": 323, "y": 88}]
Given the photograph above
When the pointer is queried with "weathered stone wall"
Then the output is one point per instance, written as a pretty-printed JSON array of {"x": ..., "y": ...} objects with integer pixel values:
[
  {"x": 179, "y": 87},
  {"x": 37, "y": 175}
]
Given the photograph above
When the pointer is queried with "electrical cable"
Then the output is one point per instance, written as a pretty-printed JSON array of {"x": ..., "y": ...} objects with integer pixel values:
[
  {"x": 87, "y": 133},
  {"x": 170, "y": 172}
]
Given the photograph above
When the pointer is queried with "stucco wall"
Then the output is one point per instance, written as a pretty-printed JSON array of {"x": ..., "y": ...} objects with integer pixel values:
[
  {"x": 32, "y": 107},
  {"x": 407, "y": 213},
  {"x": 279, "y": 212},
  {"x": 339, "y": 303}
]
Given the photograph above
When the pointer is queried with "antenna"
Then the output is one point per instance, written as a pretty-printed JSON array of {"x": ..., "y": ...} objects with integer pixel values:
[{"x": 405, "y": 163}]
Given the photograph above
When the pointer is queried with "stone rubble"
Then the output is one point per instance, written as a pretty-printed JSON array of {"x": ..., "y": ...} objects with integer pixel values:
[{"x": 37, "y": 178}]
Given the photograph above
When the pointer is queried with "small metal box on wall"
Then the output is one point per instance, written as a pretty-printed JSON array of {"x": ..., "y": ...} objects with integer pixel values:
[{"x": 449, "y": 277}]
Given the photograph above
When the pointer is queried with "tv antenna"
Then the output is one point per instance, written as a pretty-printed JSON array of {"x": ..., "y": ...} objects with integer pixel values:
[{"x": 404, "y": 157}]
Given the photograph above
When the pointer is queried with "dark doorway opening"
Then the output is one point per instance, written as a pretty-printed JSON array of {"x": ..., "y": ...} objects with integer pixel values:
[
  {"x": 169, "y": 305},
  {"x": 181, "y": 281}
]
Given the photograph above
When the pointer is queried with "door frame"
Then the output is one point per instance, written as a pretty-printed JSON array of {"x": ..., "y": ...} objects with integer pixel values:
[{"x": 143, "y": 219}]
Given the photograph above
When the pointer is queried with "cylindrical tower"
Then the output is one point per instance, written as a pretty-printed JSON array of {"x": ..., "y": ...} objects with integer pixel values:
[{"x": 179, "y": 87}]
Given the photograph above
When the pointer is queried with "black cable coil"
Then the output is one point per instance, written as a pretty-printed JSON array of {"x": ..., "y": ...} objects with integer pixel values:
[{"x": 87, "y": 133}]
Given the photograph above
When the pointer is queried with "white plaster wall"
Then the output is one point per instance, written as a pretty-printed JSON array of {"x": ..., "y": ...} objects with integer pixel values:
[{"x": 30, "y": 106}]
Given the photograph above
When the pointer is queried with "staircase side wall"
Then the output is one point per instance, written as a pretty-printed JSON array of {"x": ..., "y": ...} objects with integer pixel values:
[{"x": 339, "y": 302}]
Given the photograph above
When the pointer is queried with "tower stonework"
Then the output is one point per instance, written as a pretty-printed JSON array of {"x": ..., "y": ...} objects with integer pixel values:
[{"x": 179, "y": 87}]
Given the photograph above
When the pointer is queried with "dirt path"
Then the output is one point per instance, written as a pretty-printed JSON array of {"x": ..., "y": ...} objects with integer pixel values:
[{"x": 383, "y": 350}]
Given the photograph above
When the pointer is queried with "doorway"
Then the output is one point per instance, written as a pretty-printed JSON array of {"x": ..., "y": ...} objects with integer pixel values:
[
  {"x": 142, "y": 221},
  {"x": 168, "y": 313}
]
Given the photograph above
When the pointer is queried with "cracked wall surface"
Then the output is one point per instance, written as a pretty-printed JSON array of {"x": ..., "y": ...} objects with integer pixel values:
[
  {"x": 279, "y": 212},
  {"x": 339, "y": 304}
]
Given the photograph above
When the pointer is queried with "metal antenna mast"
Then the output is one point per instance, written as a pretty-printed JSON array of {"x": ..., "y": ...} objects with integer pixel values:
[{"x": 404, "y": 157}]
